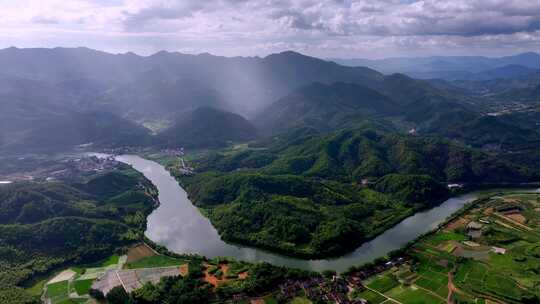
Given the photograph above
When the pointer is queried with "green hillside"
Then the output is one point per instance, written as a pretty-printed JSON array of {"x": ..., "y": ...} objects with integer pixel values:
[
  {"x": 207, "y": 127},
  {"x": 403, "y": 103},
  {"x": 325, "y": 107},
  {"x": 45, "y": 225},
  {"x": 323, "y": 195}
]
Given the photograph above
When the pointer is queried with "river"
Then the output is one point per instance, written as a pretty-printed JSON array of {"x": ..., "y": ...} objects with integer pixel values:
[{"x": 178, "y": 225}]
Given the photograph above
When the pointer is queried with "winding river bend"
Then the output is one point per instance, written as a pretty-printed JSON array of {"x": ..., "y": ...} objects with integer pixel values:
[{"x": 178, "y": 225}]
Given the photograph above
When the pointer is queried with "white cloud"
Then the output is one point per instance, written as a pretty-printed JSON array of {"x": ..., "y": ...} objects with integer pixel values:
[{"x": 245, "y": 27}]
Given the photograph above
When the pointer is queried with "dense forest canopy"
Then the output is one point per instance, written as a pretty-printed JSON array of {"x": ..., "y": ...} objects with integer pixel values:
[
  {"x": 47, "y": 225},
  {"x": 295, "y": 154},
  {"x": 318, "y": 195}
]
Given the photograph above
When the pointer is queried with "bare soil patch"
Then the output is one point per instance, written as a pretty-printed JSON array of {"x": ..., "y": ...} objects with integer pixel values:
[
  {"x": 456, "y": 224},
  {"x": 212, "y": 279},
  {"x": 184, "y": 269},
  {"x": 518, "y": 217},
  {"x": 63, "y": 276},
  {"x": 243, "y": 275},
  {"x": 138, "y": 252}
]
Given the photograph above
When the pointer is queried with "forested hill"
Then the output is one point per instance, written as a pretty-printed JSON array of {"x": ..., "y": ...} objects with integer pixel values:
[
  {"x": 46, "y": 225},
  {"x": 339, "y": 105},
  {"x": 207, "y": 127},
  {"x": 55, "y": 99},
  {"x": 307, "y": 195},
  {"x": 370, "y": 151},
  {"x": 325, "y": 107},
  {"x": 63, "y": 130}
]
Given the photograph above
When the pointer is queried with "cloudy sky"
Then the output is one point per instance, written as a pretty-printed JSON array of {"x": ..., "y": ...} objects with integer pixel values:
[{"x": 325, "y": 28}]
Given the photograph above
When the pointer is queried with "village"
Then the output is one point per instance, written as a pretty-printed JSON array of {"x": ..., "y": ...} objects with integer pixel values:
[
  {"x": 486, "y": 249},
  {"x": 66, "y": 167},
  {"x": 337, "y": 288},
  {"x": 438, "y": 268},
  {"x": 142, "y": 264}
]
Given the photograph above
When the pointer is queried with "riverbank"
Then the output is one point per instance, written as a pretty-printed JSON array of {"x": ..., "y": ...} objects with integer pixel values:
[
  {"x": 484, "y": 251},
  {"x": 49, "y": 224},
  {"x": 399, "y": 277},
  {"x": 178, "y": 225}
]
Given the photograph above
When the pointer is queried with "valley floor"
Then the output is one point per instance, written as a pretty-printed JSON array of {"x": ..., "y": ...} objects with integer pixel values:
[{"x": 489, "y": 252}]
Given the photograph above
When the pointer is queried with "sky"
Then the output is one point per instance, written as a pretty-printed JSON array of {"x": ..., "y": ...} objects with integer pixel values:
[{"x": 325, "y": 28}]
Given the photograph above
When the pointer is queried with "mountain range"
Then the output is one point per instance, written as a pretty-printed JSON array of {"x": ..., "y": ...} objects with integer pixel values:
[
  {"x": 294, "y": 154},
  {"x": 452, "y": 67},
  {"x": 323, "y": 194},
  {"x": 56, "y": 88},
  {"x": 59, "y": 98}
]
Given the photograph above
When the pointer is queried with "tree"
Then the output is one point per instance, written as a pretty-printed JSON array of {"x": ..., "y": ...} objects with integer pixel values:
[
  {"x": 148, "y": 294},
  {"x": 118, "y": 295},
  {"x": 329, "y": 274},
  {"x": 96, "y": 294}
]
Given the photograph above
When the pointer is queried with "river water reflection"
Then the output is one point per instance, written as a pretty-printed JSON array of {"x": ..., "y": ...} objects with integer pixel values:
[{"x": 178, "y": 225}]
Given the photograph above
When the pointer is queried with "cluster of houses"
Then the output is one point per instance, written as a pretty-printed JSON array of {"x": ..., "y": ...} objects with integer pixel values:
[
  {"x": 475, "y": 230},
  {"x": 337, "y": 288},
  {"x": 183, "y": 169},
  {"x": 123, "y": 150},
  {"x": 94, "y": 163},
  {"x": 74, "y": 167},
  {"x": 454, "y": 186},
  {"x": 509, "y": 209},
  {"x": 177, "y": 152},
  {"x": 368, "y": 272},
  {"x": 319, "y": 290}
]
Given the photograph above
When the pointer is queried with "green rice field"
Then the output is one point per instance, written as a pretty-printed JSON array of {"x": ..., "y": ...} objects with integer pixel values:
[{"x": 450, "y": 257}]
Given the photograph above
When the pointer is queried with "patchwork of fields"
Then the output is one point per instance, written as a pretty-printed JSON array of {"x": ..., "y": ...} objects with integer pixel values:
[
  {"x": 498, "y": 263},
  {"x": 489, "y": 253},
  {"x": 72, "y": 285},
  {"x": 140, "y": 265}
]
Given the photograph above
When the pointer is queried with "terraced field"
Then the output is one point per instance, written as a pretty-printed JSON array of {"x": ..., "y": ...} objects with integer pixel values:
[
  {"x": 489, "y": 253},
  {"x": 72, "y": 285}
]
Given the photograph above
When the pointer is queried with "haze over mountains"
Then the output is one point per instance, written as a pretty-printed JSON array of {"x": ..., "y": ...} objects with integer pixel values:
[
  {"x": 58, "y": 98},
  {"x": 453, "y": 67},
  {"x": 288, "y": 153}
]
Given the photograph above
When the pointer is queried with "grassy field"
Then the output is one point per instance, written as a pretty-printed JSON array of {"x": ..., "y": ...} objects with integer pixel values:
[
  {"x": 81, "y": 283},
  {"x": 370, "y": 296},
  {"x": 476, "y": 271},
  {"x": 413, "y": 295},
  {"x": 270, "y": 300},
  {"x": 58, "y": 292},
  {"x": 300, "y": 300},
  {"x": 383, "y": 282},
  {"x": 515, "y": 275},
  {"x": 82, "y": 286},
  {"x": 57, "y": 289},
  {"x": 37, "y": 288},
  {"x": 155, "y": 261},
  {"x": 110, "y": 261}
]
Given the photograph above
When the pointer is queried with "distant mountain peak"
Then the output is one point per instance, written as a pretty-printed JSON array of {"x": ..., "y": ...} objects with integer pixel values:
[
  {"x": 289, "y": 54},
  {"x": 161, "y": 53},
  {"x": 528, "y": 54},
  {"x": 208, "y": 127},
  {"x": 130, "y": 54}
]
